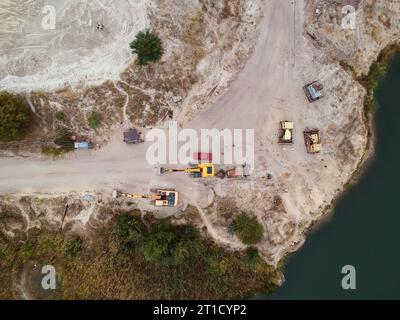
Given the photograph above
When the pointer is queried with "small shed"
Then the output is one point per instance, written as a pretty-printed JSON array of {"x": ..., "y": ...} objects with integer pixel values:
[{"x": 132, "y": 136}]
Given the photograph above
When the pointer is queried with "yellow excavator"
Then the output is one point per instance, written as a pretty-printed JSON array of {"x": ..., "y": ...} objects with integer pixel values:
[
  {"x": 202, "y": 170},
  {"x": 161, "y": 198}
]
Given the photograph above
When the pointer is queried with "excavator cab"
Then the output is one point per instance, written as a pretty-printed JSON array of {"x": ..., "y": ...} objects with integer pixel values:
[{"x": 206, "y": 170}]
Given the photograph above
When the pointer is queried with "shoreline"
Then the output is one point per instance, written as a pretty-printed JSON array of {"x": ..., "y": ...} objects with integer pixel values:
[{"x": 377, "y": 71}]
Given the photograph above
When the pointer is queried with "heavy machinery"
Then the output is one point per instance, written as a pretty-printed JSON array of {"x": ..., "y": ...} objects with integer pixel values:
[
  {"x": 286, "y": 135},
  {"x": 202, "y": 170},
  {"x": 161, "y": 198},
  {"x": 242, "y": 171},
  {"x": 313, "y": 142}
]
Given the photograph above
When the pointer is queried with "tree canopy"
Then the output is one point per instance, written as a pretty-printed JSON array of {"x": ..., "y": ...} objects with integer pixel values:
[
  {"x": 14, "y": 117},
  {"x": 147, "y": 46}
]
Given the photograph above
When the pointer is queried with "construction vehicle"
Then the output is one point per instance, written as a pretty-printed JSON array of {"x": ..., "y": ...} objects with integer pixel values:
[
  {"x": 242, "y": 171},
  {"x": 313, "y": 142},
  {"x": 286, "y": 135},
  {"x": 201, "y": 170},
  {"x": 314, "y": 91},
  {"x": 161, "y": 198}
]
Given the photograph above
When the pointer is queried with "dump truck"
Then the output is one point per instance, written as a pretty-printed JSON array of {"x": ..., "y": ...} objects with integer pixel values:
[
  {"x": 202, "y": 170},
  {"x": 161, "y": 198},
  {"x": 312, "y": 140},
  {"x": 286, "y": 132},
  {"x": 314, "y": 91}
]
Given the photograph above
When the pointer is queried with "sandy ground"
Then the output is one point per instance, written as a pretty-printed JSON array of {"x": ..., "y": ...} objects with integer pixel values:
[
  {"x": 33, "y": 58},
  {"x": 268, "y": 90}
]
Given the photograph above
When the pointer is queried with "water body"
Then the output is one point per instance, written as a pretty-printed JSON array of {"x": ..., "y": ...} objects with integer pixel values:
[{"x": 365, "y": 229}]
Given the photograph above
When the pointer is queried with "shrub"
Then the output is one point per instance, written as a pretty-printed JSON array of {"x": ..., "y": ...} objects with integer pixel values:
[
  {"x": 63, "y": 139},
  {"x": 131, "y": 231},
  {"x": 72, "y": 246},
  {"x": 52, "y": 151},
  {"x": 15, "y": 117},
  {"x": 95, "y": 120},
  {"x": 248, "y": 229},
  {"x": 60, "y": 116},
  {"x": 147, "y": 46},
  {"x": 159, "y": 244}
]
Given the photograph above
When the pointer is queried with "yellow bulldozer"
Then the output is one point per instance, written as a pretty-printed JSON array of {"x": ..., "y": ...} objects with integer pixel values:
[
  {"x": 161, "y": 198},
  {"x": 202, "y": 170}
]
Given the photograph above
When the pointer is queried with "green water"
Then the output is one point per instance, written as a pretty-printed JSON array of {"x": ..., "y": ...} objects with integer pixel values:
[{"x": 365, "y": 229}]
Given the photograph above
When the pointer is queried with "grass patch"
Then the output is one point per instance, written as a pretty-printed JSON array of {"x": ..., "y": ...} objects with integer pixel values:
[{"x": 95, "y": 120}]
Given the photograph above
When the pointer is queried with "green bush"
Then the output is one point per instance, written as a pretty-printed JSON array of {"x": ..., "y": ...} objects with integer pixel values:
[
  {"x": 131, "y": 231},
  {"x": 15, "y": 117},
  {"x": 159, "y": 244},
  {"x": 248, "y": 229},
  {"x": 60, "y": 116},
  {"x": 95, "y": 120},
  {"x": 147, "y": 46}
]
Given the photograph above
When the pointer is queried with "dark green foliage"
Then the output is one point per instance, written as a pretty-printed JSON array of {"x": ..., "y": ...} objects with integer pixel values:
[
  {"x": 248, "y": 229},
  {"x": 95, "y": 120},
  {"x": 160, "y": 243},
  {"x": 72, "y": 246},
  {"x": 147, "y": 46},
  {"x": 15, "y": 117},
  {"x": 131, "y": 231},
  {"x": 60, "y": 116}
]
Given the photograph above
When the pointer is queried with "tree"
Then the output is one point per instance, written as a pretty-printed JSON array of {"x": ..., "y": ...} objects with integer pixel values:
[
  {"x": 147, "y": 46},
  {"x": 15, "y": 117},
  {"x": 248, "y": 229},
  {"x": 159, "y": 244},
  {"x": 131, "y": 231}
]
